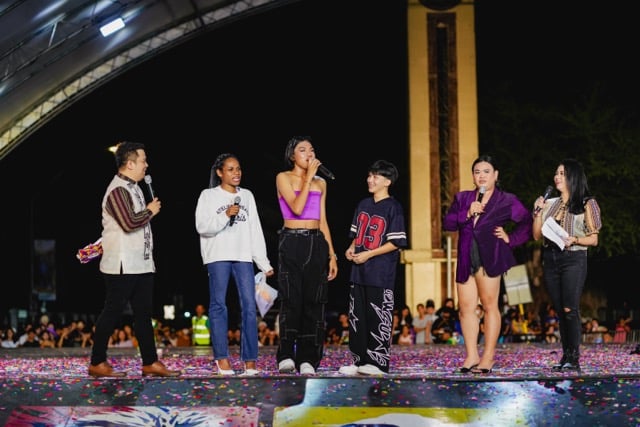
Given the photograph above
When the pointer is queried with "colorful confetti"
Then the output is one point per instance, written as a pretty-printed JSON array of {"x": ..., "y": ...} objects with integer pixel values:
[{"x": 423, "y": 384}]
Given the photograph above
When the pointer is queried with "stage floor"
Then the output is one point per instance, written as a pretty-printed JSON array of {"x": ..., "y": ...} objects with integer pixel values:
[{"x": 50, "y": 387}]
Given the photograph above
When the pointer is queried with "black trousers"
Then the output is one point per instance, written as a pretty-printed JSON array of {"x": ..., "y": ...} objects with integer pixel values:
[
  {"x": 370, "y": 325},
  {"x": 565, "y": 273},
  {"x": 136, "y": 289},
  {"x": 303, "y": 266}
]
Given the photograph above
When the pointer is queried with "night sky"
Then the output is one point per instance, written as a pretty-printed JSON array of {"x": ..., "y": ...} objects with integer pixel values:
[{"x": 321, "y": 68}]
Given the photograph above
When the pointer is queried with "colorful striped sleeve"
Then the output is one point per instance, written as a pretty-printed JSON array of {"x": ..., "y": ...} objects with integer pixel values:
[{"x": 120, "y": 206}]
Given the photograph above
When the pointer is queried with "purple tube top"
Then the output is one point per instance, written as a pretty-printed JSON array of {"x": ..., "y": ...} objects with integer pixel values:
[{"x": 311, "y": 209}]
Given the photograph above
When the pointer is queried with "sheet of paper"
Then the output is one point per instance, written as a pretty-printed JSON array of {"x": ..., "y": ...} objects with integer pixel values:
[{"x": 552, "y": 231}]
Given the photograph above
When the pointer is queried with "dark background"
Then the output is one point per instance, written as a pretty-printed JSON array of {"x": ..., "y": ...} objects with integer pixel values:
[{"x": 333, "y": 70}]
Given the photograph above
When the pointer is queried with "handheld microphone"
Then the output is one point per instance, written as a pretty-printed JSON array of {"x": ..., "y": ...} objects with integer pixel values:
[
  {"x": 326, "y": 172},
  {"x": 147, "y": 179},
  {"x": 232, "y": 219},
  {"x": 545, "y": 196},
  {"x": 481, "y": 192}
]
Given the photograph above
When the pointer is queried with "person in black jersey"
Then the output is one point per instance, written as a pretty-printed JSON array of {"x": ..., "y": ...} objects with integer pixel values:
[{"x": 378, "y": 232}]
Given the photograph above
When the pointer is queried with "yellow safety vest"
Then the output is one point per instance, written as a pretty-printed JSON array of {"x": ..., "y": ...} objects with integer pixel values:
[{"x": 201, "y": 333}]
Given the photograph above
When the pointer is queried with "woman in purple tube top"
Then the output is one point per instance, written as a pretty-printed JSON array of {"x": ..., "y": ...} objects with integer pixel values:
[{"x": 306, "y": 259}]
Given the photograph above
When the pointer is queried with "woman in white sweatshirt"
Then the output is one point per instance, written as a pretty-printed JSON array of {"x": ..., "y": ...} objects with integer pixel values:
[{"x": 231, "y": 240}]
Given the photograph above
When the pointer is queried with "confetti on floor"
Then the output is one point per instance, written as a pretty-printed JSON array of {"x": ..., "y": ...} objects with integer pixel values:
[{"x": 423, "y": 386}]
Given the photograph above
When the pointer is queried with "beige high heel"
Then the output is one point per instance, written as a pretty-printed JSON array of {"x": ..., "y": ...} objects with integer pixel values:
[
  {"x": 224, "y": 371},
  {"x": 250, "y": 372}
]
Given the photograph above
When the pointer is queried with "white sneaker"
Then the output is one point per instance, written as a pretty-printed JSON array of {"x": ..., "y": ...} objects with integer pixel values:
[
  {"x": 348, "y": 370},
  {"x": 307, "y": 369},
  {"x": 370, "y": 370},
  {"x": 286, "y": 366}
]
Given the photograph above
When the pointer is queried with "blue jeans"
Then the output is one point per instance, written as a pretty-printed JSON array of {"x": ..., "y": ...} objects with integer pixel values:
[
  {"x": 243, "y": 274},
  {"x": 565, "y": 273}
]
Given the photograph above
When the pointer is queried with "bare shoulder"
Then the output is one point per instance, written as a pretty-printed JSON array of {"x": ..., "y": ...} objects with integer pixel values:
[
  {"x": 320, "y": 182},
  {"x": 282, "y": 176}
]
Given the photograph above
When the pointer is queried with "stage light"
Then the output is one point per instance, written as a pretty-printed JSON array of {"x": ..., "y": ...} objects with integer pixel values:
[{"x": 112, "y": 27}]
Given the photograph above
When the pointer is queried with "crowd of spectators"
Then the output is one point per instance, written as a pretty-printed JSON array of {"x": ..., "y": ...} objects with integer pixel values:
[
  {"x": 79, "y": 333},
  {"x": 46, "y": 334},
  {"x": 428, "y": 326},
  {"x": 442, "y": 326}
]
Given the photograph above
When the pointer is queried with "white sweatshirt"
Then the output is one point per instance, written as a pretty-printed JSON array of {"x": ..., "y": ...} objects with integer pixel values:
[{"x": 243, "y": 241}]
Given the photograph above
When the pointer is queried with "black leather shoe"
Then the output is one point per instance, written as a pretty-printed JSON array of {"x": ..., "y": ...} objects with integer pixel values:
[
  {"x": 558, "y": 366},
  {"x": 571, "y": 366},
  {"x": 573, "y": 361},
  {"x": 104, "y": 370},
  {"x": 157, "y": 369},
  {"x": 465, "y": 370},
  {"x": 483, "y": 371}
]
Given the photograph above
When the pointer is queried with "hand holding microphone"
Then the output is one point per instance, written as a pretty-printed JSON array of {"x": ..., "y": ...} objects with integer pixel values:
[
  {"x": 154, "y": 204},
  {"x": 545, "y": 196},
  {"x": 236, "y": 207},
  {"x": 323, "y": 170},
  {"x": 481, "y": 191}
]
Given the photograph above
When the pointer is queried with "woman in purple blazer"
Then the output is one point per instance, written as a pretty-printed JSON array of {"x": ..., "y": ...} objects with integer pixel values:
[{"x": 482, "y": 218}]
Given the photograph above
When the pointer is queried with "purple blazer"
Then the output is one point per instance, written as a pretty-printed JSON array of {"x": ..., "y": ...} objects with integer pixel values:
[{"x": 496, "y": 255}]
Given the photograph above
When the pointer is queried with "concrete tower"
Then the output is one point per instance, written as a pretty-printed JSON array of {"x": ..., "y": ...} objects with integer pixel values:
[{"x": 443, "y": 138}]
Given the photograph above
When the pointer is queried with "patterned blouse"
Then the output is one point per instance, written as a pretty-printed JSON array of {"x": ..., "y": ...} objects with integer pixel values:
[{"x": 581, "y": 225}]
